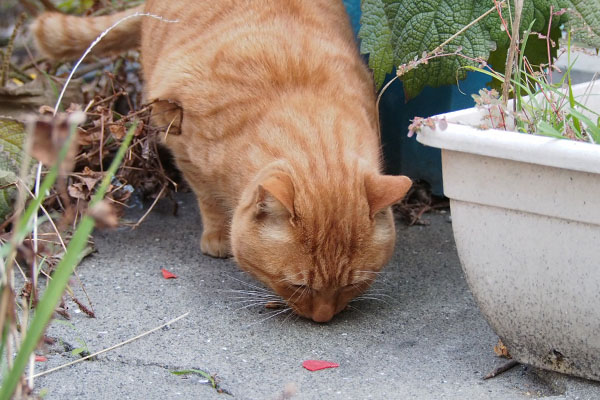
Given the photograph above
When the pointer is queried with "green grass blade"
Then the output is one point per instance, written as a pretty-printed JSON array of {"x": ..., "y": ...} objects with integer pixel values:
[
  {"x": 591, "y": 128},
  {"x": 60, "y": 279},
  {"x": 576, "y": 123},
  {"x": 47, "y": 304},
  {"x": 546, "y": 129},
  {"x": 196, "y": 371},
  {"x": 521, "y": 69},
  {"x": 493, "y": 74}
]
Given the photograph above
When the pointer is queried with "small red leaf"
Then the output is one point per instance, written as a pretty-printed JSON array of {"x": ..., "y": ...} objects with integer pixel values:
[
  {"x": 168, "y": 275},
  {"x": 41, "y": 359},
  {"x": 315, "y": 365}
]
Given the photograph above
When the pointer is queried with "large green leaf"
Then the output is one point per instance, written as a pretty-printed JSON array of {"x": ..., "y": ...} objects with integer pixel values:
[
  {"x": 419, "y": 26},
  {"x": 585, "y": 20},
  {"x": 407, "y": 30},
  {"x": 12, "y": 137},
  {"x": 376, "y": 38}
]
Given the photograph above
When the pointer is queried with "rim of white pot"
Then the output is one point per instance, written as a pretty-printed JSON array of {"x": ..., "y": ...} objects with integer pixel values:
[{"x": 524, "y": 147}]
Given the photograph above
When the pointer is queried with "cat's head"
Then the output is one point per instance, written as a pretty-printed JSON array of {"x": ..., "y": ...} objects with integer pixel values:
[{"x": 317, "y": 244}]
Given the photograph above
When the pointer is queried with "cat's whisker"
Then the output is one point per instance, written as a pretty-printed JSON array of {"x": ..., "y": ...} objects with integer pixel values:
[
  {"x": 376, "y": 294},
  {"x": 257, "y": 301},
  {"x": 244, "y": 291},
  {"x": 355, "y": 309},
  {"x": 378, "y": 291},
  {"x": 363, "y": 298},
  {"x": 249, "y": 284},
  {"x": 304, "y": 290},
  {"x": 266, "y": 301},
  {"x": 373, "y": 272},
  {"x": 300, "y": 296},
  {"x": 250, "y": 306},
  {"x": 287, "y": 316},
  {"x": 254, "y": 296},
  {"x": 278, "y": 312}
]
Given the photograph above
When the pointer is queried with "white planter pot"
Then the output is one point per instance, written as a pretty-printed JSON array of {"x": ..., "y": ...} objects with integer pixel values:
[{"x": 526, "y": 219}]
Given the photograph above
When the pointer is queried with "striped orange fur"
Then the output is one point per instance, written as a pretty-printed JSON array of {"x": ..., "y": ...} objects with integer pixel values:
[{"x": 278, "y": 138}]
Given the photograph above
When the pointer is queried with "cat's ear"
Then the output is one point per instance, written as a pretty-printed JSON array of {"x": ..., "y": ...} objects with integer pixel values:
[
  {"x": 385, "y": 190},
  {"x": 276, "y": 195}
]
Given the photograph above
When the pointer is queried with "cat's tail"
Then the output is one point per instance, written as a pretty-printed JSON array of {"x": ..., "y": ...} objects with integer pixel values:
[{"x": 66, "y": 37}]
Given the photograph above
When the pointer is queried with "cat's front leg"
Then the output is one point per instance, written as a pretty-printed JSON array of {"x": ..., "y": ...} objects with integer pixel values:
[{"x": 215, "y": 233}]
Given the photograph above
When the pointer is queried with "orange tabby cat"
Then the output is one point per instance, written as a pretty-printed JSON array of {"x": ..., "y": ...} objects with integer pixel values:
[{"x": 278, "y": 138}]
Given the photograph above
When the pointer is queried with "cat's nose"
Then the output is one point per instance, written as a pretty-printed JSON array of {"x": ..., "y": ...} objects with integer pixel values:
[{"x": 323, "y": 313}]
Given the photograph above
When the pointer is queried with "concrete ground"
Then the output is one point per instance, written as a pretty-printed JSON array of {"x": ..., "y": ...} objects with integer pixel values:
[{"x": 427, "y": 341}]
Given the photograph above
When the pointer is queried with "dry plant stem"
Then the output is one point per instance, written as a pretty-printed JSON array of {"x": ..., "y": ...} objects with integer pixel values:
[
  {"x": 34, "y": 62},
  {"x": 9, "y": 50},
  {"x": 512, "y": 52},
  {"x": 501, "y": 369},
  {"x": 387, "y": 85},
  {"x": 15, "y": 71},
  {"x": 62, "y": 243},
  {"x": 49, "y": 6},
  {"x": 548, "y": 99},
  {"x": 90, "y": 68},
  {"x": 105, "y": 100},
  {"x": 150, "y": 209},
  {"x": 499, "y": 9},
  {"x": 31, "y": 9},
  {"x": 100, "y": 155},
  {"x": 18, "y": 207},
  {"x": 112, "y": 347}
]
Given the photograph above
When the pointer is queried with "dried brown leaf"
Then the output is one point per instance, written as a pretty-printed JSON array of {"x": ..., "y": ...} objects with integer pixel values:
[
  {"x": 49, "y": 135},
  {"x": 90, "y": 178},
  {"x": 77, "y": 191},
  {"x": 105, "y": 214},
  {"x": 118, "y": 131},
  {"x": 501, "y": 350}
]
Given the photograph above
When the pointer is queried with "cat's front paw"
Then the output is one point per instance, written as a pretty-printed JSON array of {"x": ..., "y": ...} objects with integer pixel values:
[{"x": 215, "y": 244}]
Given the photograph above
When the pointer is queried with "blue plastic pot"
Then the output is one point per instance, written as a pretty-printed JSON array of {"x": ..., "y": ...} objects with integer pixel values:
[{"x": 404, "y": 155}]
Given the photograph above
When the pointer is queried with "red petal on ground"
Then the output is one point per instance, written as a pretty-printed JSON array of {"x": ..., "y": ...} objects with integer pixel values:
[
  {"x": 315, "y": 365},
  {"x": 168, "y": 275},
  {"x": 41, "y": 359}
]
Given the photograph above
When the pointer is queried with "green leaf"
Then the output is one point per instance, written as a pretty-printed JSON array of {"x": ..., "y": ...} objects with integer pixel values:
[
  {"x": 376, "y": 38},
  {"x": 420, "y": 26},
  {"x": 414, "y": 28},
  {"x": 546, "y": 129},
  {"x": 584, "y": 20},
  {"x": 78, "y": 351},
  {"x": 199, "y": 372},
  {"x": 592, "y": 129},
  {"x": 12, "y": 138}
]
